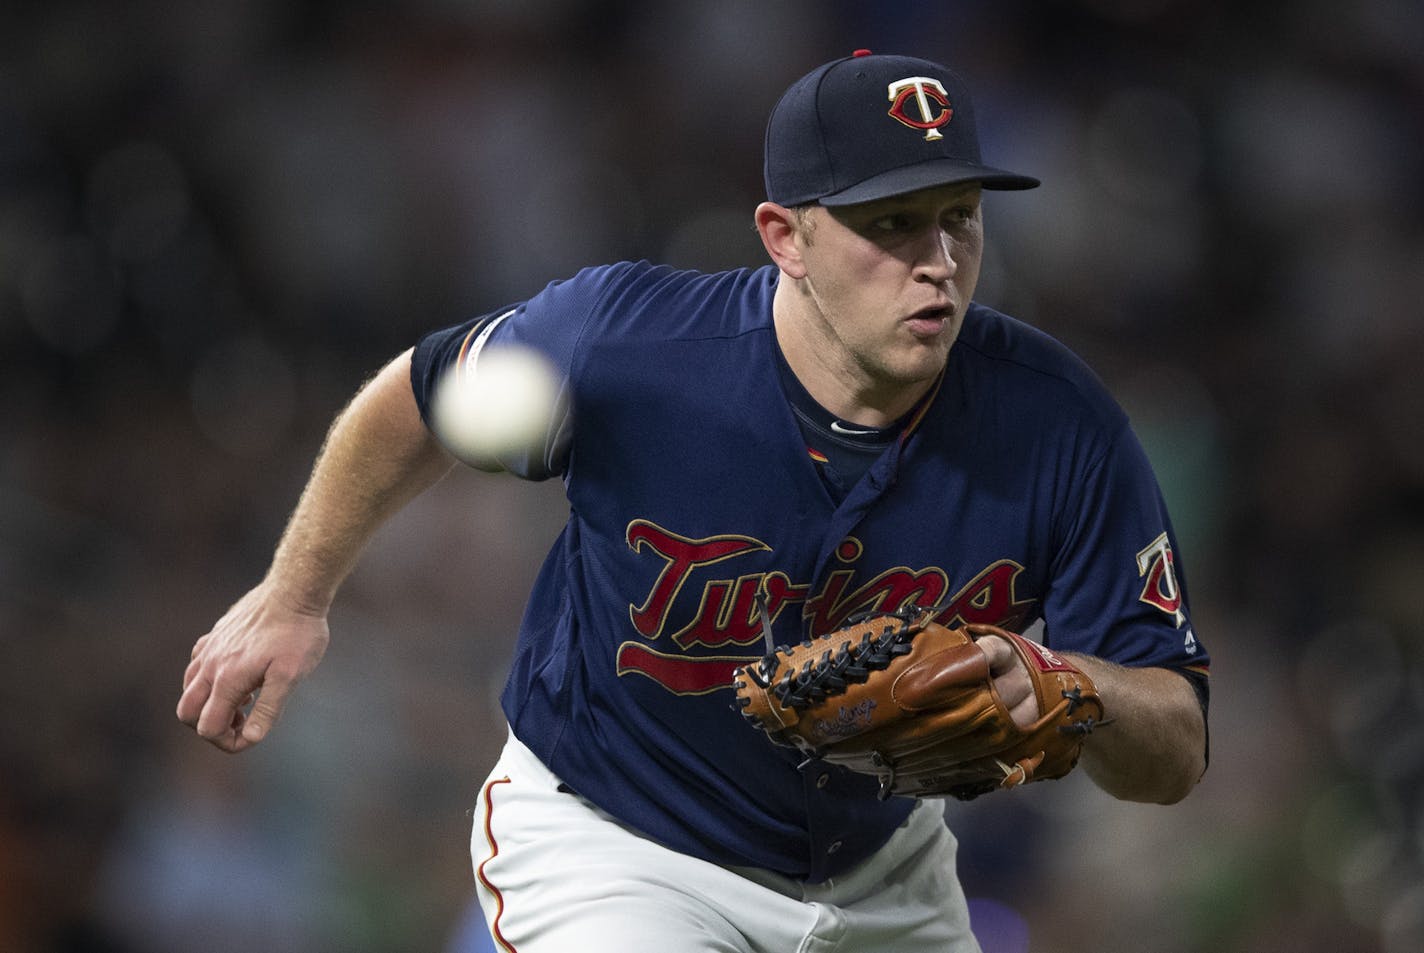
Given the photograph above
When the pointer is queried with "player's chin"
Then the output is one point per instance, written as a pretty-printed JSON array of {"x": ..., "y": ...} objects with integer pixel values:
[
  {"x": 912, "y": 376},
  {"x": 923, "y": 358}
]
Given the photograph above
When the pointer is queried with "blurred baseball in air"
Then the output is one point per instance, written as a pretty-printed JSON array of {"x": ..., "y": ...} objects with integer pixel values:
[{"x": 501, "y": 405}]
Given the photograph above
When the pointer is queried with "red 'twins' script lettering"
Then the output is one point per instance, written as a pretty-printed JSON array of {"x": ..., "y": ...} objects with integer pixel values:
[
  {"x": 727, "y": 611},
  {"x": 682, "y": 556}
]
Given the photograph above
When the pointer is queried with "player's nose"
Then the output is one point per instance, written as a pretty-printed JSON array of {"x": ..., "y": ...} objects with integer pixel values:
[{"x": 936, "y": 260}]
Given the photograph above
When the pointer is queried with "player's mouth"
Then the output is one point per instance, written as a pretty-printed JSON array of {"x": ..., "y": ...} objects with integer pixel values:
[{"x": 929, "y": 322}]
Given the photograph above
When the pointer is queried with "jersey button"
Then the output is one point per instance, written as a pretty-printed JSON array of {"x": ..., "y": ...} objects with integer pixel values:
[
  {"x": 835, "y": 846},
  {"x": 823, "y": 780}
]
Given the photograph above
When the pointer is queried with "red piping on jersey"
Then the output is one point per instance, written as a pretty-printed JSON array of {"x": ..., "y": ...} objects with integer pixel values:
[
  {"x": 924, "y": 408},
  {"x": 480, "y": 871},
  {"x": 474, "y": 332}
]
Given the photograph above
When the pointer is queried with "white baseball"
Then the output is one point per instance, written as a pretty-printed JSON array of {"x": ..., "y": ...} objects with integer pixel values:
[{"x": 502, "y": 404}]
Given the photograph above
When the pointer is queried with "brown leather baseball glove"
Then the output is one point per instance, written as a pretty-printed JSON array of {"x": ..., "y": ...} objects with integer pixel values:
[{"x": 905, "y": 699}]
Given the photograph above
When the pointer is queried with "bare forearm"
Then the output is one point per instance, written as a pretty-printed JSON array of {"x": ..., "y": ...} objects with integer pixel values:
[
  {"x": 378, "y": 455},
  {"x": 1154, "y": 748}
]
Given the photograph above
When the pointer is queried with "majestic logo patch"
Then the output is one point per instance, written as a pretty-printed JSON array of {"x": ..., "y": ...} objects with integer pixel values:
[
  {"x": 930, "y": 101},
  {"x": 1157, "y": 566}
]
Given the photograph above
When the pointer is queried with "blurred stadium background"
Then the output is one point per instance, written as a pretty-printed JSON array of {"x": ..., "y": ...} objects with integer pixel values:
[{"x": 217, "y": 218}]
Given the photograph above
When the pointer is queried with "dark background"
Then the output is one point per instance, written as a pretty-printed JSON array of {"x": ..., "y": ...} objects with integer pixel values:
[{"x": 217, "y": 219}]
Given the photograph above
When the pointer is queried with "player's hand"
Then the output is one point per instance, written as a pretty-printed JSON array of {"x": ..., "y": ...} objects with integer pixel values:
[
  {"x": 242, "y": 671},
  {"x": 1011, "y": 680}
]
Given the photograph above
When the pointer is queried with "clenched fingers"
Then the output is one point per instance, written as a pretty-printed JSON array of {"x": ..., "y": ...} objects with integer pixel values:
[
  {"x": 239, "y": 675},
  {"x": 1011, "y": 680},
  {"x": 212, "y": 705}
]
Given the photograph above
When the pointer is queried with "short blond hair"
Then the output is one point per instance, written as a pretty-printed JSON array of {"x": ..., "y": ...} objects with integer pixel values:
[{"x": 805, "y": 224}]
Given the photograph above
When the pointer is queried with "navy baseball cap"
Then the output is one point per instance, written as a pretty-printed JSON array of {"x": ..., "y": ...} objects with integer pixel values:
[{"x": 870, "y": 126}]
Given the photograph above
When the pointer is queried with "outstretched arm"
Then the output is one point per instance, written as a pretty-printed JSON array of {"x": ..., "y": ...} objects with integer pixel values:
[{"x": 377, "y": 457}]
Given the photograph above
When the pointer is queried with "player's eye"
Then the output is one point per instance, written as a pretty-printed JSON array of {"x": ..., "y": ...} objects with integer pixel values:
[
  {"x": 959, "y": 215},
  {"x": 887, "y": 224}
]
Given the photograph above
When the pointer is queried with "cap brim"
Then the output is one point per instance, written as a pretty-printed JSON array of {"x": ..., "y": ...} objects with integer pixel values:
[{"x": 924, "y": 175}]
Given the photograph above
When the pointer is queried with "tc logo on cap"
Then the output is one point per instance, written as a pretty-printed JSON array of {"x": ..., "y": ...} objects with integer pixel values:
[{"x": 921, "y": 90}]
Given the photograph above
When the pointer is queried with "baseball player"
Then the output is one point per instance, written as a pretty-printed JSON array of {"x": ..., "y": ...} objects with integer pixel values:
[{"x": 751, "y": 458}]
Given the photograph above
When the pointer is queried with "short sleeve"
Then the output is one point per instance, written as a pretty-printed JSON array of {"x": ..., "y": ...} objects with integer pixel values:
[
  {"x": 553, "y": 323},
  {"x": 1118, "y": 588}
]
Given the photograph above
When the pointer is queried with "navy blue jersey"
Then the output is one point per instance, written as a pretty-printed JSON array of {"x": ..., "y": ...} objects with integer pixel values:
[{"x": 1016, "y": 493}]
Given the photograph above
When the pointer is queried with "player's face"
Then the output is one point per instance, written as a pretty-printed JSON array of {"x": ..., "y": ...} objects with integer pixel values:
[{"x": 890, "y": 280}]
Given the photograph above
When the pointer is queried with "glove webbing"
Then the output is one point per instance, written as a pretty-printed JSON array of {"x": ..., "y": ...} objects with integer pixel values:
[{"x": 818, "y": 679}]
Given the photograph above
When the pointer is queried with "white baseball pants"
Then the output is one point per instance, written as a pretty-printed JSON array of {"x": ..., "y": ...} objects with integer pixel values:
[{"x": 557, "y": 874}]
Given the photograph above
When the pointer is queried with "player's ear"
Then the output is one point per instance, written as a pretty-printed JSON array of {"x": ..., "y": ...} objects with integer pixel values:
[{"x": 782, "y": 234}]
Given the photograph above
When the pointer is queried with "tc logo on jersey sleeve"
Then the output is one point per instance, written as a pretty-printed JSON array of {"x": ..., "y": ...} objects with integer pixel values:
[{"x": 1157, "y": 566}]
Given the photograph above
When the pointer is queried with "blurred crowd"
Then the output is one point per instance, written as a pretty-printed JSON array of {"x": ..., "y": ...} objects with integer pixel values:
[{"x": 218, "y": 217}]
